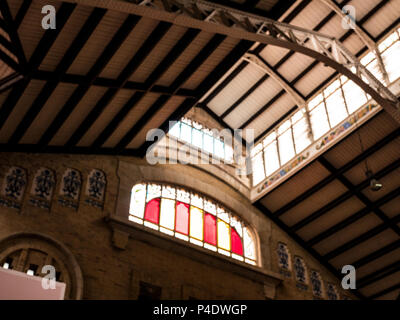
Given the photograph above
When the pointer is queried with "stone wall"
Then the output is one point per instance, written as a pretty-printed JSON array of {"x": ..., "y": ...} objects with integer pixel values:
[{"x": 117, "y": 258}]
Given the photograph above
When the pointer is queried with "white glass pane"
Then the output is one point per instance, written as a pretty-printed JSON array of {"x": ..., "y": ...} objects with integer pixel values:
[
  {"x": 286, "y": 148},
  {"x": 219, "y": 148},
  {"x": 300, "y": 133},
  {"x": 258, "y": 168},
  {"x": 228, "y": 153},
  {"x": 197, "y": 201},
  {"x": 271, "y": 137},
  {"x": 297, "y": 116},
  {"x": 186, "y": 133},
  {"x": 208, "y": 143},
  {"x": 354, "y": 95},
  {"x": 167, "y": 214},
  {"x": 183, "y": 196},
  {"x": 284, "y": 126},
  {"x": 175, "y": 130},
  {"x": 196, "y": 223},
  {"x": 223, "y": 215},
  {"x": 224, "y": 235},
  {"x": 271, "y": 158},
  {"x": 168, "y": 192},
  {"x": 249, "y": 246},
  {"x": 256, "y": 149},
  {"x": 391, "y": 59},
  {"x": 367, "y": 58},
  {"x": 153, "y": 191},
  {"x": 388, "y": 42},
  {"x": 332, "y": 87},
  {"x": 336, "y": 108},
  {"x": 319, "y": 121},
  {"x": 138, "y": 199},
  {"x": 210, "y": 207},
  {"x": 197, "y": 138},
  {"x": 237, "y": 224},
  {"x": 315, "y": 101},
  {"x": 374, "y": 68}
]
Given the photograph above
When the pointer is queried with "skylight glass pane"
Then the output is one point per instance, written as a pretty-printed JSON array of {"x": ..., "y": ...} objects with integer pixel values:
[
  {"x": 197, "y": 138},
  {"x": 152, "y": 212},
  {"x": 175, "y": 130},
  {"x": 167, "y": 215},
  {"x": 374, "y": 68},
  {"x": 258, "y": 168},
  {"x": 354, "y": 95},
  {"x": 224, "y": 235},
  {"x": 286, "y": 148},
  {"x": 256, "y": 149},
  {"x": 336, "y": 108},
  {"x": 182, "y": 218},
  {"x": 271, "y": 137},
  {"x": 219, "y": 148},
  {"x": 228, "y": 153},
  {"x": 300, "y": 133},
  {"x": 196, "y": 223},
  {"x": 208, "y": 143},
  {"x": 284, "y": 126},
  {"x": 391, "y": 59},
  {"x": 367, "y": 58},
  {"x": 138, "y": 198},
  {"x": 387, "y": 42},
  {"x": 210, "y": 229},
  {"x": 319, "y": 121},
  {"x": 315, "y": 101},
  {"x": 331, "y": 88},
  {"x": 186, "y": 132},
  {"x": 271, "y": 158},
  {"x": 297, "y": 116}
]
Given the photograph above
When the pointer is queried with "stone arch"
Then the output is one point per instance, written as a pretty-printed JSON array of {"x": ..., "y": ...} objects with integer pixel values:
[{"x": 20, "y": 244}]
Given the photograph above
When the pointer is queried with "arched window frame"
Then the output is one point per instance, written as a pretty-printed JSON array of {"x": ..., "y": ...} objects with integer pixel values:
[{"x": 200, "y": 206}]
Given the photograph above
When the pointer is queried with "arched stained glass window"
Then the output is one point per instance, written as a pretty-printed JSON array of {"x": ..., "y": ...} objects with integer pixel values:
[
  {"x": 283, "y": 256},
  {"x": 189, "y": 216}
]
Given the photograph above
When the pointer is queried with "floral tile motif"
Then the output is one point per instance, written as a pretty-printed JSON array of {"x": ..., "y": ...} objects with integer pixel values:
[
  {"x": 42, "y": 188},
  {"x": 95, "y": 188},
  {"x": 13, "y": 188},
  {"x": 71, "y": 183}
]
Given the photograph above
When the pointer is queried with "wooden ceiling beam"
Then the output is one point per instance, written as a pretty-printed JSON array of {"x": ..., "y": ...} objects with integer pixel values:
[{"x": 107, "y": 54}]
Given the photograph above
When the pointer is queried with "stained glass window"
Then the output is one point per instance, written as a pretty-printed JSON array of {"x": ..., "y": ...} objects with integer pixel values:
[{"x": 191, "y": 217}]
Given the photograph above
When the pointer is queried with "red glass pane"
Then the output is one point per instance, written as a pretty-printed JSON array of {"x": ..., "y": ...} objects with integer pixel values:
[
  {"x": 210, "y": 229},
  {"x": 152, "y": 212},
  {"x": 182, "y": 218},
  {"x": 237, "y": 246}
]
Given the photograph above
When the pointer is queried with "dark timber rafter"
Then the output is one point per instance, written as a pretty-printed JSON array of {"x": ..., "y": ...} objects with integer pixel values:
[
  {"x": 175, "y": 52},
  {"x": 69, "y": 57},
  {"x": 212, "y": 45},
  {"x": 159, "y": 31},
  {"x": 37, "y": 57},
  {"x": 368, "y": 152},
  {"x": 93, "y": 73}
]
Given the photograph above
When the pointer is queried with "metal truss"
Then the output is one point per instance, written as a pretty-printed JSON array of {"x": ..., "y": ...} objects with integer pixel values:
[{"x": 243, "y": 25}]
